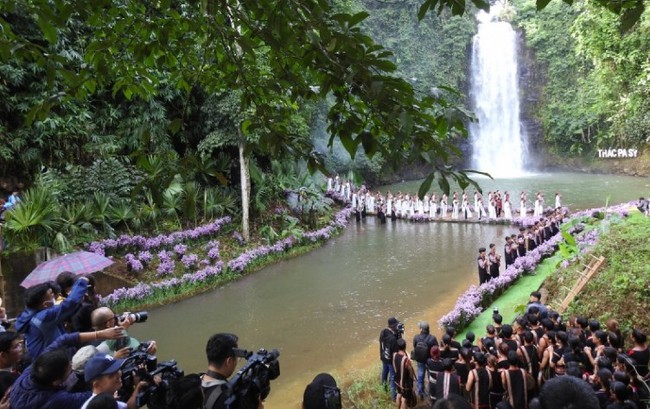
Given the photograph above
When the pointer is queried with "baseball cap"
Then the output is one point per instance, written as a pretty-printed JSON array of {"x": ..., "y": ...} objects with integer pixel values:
[
  {"x": 101, "y": 364},
  {"x": 82, "y": 356},
  {"x": 392, "y": 321},
  {"x": 322, "y": 393}
]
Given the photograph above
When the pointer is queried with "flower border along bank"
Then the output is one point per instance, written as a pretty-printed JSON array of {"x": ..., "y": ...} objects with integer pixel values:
[{"x": 212, "y": 270}]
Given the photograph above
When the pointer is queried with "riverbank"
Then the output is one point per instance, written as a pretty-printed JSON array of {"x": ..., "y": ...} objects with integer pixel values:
[
  {"x": 204, "y": 263},
  {"x": 622, "y": 241}
]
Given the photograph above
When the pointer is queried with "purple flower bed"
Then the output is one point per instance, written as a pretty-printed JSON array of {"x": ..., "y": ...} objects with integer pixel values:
[
  {"x": 138, "y": 242},
  {"x": 167, "y": 264},
  {"x": 332, "y": 194},
  {"x": 133, "y": 263},
  {"x": 419, "y": 217},
  {"x": 240, "y": 263},
  {"x": 143, "y": 290},
  {"x": 166, "y": 268},
  {"x": 145, "y": 257},
  {"x": 180, "y": 249},
  {"x": 213, "y": 250},
  {"x": 190, "y": 260}
]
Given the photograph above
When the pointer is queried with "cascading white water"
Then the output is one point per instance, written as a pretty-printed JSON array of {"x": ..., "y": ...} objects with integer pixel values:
[{"x": 498, "y": 142}]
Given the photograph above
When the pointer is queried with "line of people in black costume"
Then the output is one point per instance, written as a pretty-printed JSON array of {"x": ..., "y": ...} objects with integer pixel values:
[
  {"x": 516, "y": 245},
  {"x": 540, "y": 362}
]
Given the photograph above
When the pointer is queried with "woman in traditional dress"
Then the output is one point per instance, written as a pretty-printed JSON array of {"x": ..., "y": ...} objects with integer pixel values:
[
  {"x": 398, "y": 205},
  {"x": 454, "y": 207},
  {"x": 507, "y": 208},
  {"x": 480, "y": 209},
  {"x": 492, "y": 211},
  {"x": 558, "y": 202},
  {"x": 536, "y": 211},
  {"x": 409, "y": 206},
  {"x": 522, "y": 205},
  {"x": 370, "y": 200},
  {"x": 443, "y": 206},
  {"x": 467, "y": 212},
  {"x": 433, "y": 206}
]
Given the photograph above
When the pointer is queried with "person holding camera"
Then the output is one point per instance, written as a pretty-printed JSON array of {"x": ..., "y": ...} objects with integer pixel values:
[
  {"x": 222, "y": 353},
  {"x": 42, "y": 384},
  {"x": 387, "y": 347},
  {"x": 104, "y": 317},
  {"x": 43, "y": 321},
  {"x": 103, "y": 373}
]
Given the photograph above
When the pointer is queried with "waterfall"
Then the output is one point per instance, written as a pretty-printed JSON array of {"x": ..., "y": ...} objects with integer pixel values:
[{"x": 498, "y": 141}]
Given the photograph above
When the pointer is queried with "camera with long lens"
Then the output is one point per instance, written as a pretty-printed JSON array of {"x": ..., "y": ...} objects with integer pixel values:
[
  {"x": 134, "y": 317},
  {"x": 252, "y": 382},
  {"x": 400, "y": 330},
  {"x": 141, "y": 366}
]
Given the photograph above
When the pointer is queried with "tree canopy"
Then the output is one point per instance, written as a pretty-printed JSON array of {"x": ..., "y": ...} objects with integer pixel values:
[{"x": 278, "y": 56}]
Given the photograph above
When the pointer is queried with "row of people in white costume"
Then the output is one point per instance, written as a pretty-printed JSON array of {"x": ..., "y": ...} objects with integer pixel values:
[{"x": 406, "y": 206}]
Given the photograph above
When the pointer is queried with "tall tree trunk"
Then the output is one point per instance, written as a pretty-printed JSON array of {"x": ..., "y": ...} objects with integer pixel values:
[{"x": 245, "y": 178}]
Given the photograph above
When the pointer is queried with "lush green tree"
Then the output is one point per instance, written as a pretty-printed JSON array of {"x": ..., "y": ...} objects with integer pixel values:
[
  {"x": 594, "y": 87},
  {"x": 278, "y": 56}
]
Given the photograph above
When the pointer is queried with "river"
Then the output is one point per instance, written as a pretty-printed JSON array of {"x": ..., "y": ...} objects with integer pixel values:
[{"x": 323, "y": 311}]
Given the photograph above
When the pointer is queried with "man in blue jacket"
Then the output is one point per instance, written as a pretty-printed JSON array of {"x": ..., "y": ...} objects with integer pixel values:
[
  {"x": 42, "y": 321},
  {"x": 42, "y": 385}
]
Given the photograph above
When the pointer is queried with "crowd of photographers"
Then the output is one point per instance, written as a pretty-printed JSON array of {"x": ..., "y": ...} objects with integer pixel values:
[
  {"x": 67, "y": 352},
  {"x": 538, "y": 362}
]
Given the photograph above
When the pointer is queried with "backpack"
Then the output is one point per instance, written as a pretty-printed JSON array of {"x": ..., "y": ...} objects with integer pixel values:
[
  {"x": 387, "y": 342},
  {"x": 213, "y": 393},
  {"x": 421, "y": 351}
]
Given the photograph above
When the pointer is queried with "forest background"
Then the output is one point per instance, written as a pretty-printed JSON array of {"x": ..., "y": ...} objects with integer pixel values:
[{"x": 106, "y": 157}]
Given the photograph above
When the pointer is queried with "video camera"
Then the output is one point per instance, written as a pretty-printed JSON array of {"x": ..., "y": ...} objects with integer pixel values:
[
  {"x": 253, "y": 382},
  {"x": 140, "y": 364},
  {"x": 400, "y": 330}
]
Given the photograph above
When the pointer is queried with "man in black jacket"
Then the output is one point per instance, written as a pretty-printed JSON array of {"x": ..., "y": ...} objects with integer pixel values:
[
  {"x": 387, "y": 347},
  {"x": 422, "y": 344}
]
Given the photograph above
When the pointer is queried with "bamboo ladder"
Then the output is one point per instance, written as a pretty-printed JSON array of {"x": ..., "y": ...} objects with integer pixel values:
[{"x": 590, "y": 269}]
